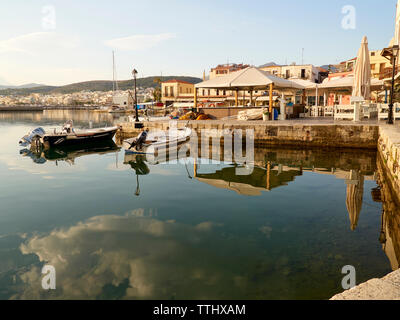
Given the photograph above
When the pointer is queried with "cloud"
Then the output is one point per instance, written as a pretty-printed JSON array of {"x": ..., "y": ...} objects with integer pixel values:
[
  {"x": 139, "y": 42},
  {"x": 37, "y": 42}
]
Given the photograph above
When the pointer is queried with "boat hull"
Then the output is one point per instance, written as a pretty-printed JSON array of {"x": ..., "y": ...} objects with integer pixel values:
[
  {"x": 160, "y": 144},
  {"x": 73, "y": 139}
]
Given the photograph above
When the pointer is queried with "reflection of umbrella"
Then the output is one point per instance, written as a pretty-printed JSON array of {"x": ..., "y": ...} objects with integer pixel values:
[
  {"x": 354, "y": 197},
  {"x": 362, "y": 72}
]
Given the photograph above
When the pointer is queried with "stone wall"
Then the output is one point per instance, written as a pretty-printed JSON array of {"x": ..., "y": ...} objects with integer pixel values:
[
  {"x": 287, "y": 133},
  {"x": 386, "y": 288},
  {"x": 389, "y": 151}
]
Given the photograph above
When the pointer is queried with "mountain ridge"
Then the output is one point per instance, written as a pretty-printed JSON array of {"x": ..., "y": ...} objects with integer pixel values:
[{"x": 95, "y": 85}]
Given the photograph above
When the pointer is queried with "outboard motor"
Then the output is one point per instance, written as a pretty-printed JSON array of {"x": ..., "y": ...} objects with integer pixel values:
[{"x": 36, "y": 134}]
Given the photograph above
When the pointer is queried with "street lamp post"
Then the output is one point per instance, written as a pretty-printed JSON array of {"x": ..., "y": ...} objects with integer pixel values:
[
  {"x": 138, "y": 125},
  {"x": 395, "y": 52}
]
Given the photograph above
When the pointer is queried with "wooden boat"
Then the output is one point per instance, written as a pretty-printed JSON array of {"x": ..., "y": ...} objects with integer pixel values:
[
  {"x": 159, "y": 141},
  {"x": 68, "y": 136}
]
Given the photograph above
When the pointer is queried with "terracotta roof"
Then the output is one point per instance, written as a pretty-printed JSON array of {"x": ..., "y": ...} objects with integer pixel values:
[{"x": 176, "y": 81}]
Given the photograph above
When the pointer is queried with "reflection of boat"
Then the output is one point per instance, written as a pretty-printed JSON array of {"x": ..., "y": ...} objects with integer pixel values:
[
  {"x": 69, "y": 154},
  {"x": 159, "y": 141},
  {"x": 68, "y": 136},
  {"x": 182, "y": 151}
]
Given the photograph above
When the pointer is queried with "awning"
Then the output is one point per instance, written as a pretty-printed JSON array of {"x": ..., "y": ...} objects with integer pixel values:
[
  {"x": 347, "y": 82},
  {"x": 248, "y": 79}
]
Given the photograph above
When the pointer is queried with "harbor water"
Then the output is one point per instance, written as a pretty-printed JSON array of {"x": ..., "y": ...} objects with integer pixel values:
[{"x": 121, "y": 227}]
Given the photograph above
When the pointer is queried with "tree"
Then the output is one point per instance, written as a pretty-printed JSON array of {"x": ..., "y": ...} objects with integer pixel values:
[{"x": 157, "y": 90}]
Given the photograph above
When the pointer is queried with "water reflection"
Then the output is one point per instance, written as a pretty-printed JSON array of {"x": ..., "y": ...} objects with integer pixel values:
[
  {"x": 354, "y": 196},
  {"x": 196, "y": 236},
  {"x": 81, "y": 118},
  {"x": 135, "y": 256},
  {"x": 138, "y": 164},
  {"x": 269, "y": 174},
  {"x": 390, "y": 220},
  {"x": 69, "y": 154}
]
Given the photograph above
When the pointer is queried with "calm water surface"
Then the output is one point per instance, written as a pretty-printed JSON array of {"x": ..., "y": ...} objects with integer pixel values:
[{"x": 116, "y": 227}]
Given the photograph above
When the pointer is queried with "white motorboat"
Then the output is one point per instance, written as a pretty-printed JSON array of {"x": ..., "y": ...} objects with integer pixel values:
[{"x": 158, "y": 141}]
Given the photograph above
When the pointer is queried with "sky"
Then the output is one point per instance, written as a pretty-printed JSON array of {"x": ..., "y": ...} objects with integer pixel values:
[{"x": 65, "y": 41}]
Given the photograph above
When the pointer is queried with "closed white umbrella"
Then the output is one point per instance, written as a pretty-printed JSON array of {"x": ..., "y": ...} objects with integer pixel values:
[
  {"x": 397, "y": 30},
  {"x": 362, "y": 72}
]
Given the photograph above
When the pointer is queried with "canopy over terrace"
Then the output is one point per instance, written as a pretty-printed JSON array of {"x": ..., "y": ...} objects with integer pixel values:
[
  {"x": 248, "y": 79},
  {"x": 345, "y": 85}
]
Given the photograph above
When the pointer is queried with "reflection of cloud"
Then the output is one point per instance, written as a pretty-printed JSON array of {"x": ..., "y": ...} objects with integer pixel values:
[
  {"x": 113, "y": 167},
  {"x": 266, "y": 230},
  {"x": 163, "y": 171},
  {"x": 139, "y": 42},
  {"x": 159, "y": 259}
]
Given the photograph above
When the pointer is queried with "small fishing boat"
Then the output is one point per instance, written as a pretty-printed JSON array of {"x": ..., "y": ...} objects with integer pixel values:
[
  {"x": 158, "y": 141},
  {"x": 68, "y": 136}
]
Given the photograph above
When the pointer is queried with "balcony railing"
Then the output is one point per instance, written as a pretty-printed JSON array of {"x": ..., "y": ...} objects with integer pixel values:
[{"x": 387, "y": 72}]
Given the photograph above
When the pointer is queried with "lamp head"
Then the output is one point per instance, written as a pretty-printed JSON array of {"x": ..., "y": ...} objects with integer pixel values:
[
  {"x": 396, "y": 49},
  {"x": 134, "y": 72}
]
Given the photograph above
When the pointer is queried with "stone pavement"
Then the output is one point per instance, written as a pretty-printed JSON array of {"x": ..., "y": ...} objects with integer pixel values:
[{"x": 387, "y": 288}]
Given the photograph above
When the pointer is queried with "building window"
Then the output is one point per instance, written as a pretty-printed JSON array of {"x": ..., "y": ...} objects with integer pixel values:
[
  {"x": 303, "y": 73},
  {"x": 217, "y": 92},
  {"x": 372, "y": 54},
  {"x": 373, "y": 67},
  {"x": 208, "y": 91},
  {"x": 287, "y": 74},
  {"x": 204, "y": 92}
]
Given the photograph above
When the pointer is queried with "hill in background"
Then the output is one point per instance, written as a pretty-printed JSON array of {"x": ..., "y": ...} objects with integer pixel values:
[
  {"x": 24, "y": 86},
  {"x": 97, "y": 85}
]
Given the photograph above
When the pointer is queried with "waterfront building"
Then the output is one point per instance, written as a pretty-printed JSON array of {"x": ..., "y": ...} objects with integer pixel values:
[
  {"x": 381, "y": 67},
  {"x": 176, "y": 91},
  {"x": 225, "y": 69},
  {"x": 304, "y": 72}
]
